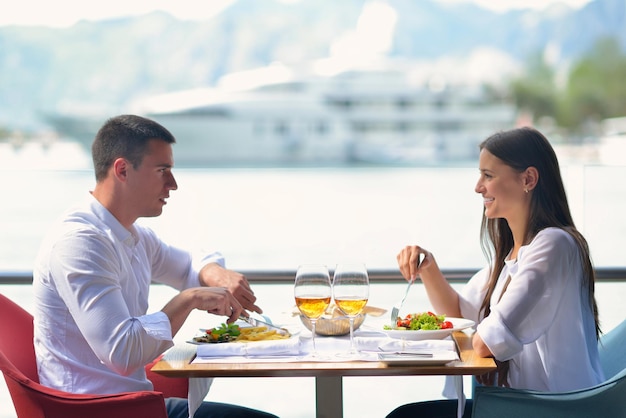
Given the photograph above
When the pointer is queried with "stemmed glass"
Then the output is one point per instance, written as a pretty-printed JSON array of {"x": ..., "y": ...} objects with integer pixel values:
[
  {"x": 351, "y": 292},
  {"x": 312, "y": 291}
]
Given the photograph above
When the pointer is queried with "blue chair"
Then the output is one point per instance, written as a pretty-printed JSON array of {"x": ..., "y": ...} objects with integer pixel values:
[
  {"x": 612, "y": 350},
  {"x": 607, "y": 399}
]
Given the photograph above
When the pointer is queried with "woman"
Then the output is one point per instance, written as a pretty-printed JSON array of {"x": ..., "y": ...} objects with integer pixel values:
[{"x": 534, "y": 303}]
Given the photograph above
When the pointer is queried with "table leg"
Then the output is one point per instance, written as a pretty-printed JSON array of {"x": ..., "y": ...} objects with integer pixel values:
[
  {"x": 458, "y": 384},
  {"x": 329, "y": 397}
]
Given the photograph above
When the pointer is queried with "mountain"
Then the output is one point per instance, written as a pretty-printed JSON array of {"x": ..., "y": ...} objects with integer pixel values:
[{"x": 103, "y": 65}]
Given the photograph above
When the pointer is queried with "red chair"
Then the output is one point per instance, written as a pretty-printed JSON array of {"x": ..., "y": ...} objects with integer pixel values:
[{"x": 33, "y": 400}]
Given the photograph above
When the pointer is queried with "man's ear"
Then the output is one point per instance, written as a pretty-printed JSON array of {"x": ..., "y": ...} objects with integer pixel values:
[
  {"x": 120, "y": 169},
  {"x": 531, "y": 178}
]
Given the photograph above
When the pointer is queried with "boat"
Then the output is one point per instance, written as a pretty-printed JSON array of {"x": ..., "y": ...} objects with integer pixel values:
[
  {"x": 281, "y": 115},
  {"x": 270, "y": 122}
]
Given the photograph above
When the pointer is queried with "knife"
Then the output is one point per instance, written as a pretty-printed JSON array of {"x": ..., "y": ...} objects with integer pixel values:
[{"x": 258, "y": 323}]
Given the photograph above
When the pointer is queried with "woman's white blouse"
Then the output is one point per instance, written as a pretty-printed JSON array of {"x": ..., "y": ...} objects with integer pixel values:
[{"x": 543, "y": 323}]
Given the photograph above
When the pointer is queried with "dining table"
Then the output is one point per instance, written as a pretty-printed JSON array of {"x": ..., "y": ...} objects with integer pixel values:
[{"x": 179, "y": 362}]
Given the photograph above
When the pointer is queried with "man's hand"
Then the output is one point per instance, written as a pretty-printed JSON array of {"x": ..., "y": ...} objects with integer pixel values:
[
  {"x": 216, "y": 300},
  {"x": 214, "y": 275}
]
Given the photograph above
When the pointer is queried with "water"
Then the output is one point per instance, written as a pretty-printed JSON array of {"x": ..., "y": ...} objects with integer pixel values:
[
  {"x": 273, "y": 217},
  {"x": 277, "y": 218}
]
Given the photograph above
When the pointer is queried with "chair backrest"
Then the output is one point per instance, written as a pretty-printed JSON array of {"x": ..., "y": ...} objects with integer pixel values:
[
  {"x": 612, "y": 350},
  {"x": 604, "y": 400},
  {"x": 16, "y": 329},
  {"x": 16, "y": 343},
  {"x": 33, "y": 400}
]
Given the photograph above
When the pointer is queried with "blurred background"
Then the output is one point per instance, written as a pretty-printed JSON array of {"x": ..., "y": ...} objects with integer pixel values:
[
  {"x": 335, "y": 130},
  {"x": 315, "y": 130},
  {"x": 559, "y": 66}
]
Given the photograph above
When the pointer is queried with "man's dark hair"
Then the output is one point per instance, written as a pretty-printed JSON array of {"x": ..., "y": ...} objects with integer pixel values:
[{"x": 125, "y": 136}]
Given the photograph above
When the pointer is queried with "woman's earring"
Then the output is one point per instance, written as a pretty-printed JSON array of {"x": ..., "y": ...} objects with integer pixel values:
[{"x": 526, "y": 190}]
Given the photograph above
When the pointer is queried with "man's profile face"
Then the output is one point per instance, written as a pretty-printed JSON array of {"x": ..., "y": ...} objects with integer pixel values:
[{"x": 152, "y": 181}]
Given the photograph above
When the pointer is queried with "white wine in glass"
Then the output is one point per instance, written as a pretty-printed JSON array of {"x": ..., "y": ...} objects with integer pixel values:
[
  {"x": 351, "y": 292},
  {"x": 312, "y": 291}
]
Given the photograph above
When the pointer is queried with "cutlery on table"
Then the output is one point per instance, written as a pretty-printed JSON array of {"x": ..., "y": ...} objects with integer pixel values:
[
  {"x": 403, "y": 354},
  {"x": 395, "y": 311},
  {"x": 258, "y": 323}
]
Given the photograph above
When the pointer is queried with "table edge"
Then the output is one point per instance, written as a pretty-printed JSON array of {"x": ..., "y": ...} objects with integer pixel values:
[{"x": 176, "y": 363}]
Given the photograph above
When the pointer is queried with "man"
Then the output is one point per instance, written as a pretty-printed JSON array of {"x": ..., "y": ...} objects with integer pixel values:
[{"x": 93, "y": 274}]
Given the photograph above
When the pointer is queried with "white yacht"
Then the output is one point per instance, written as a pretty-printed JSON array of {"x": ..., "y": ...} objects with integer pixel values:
[
  {"x": 274, "y": 122},
  {"x": 276, "y": 115}
]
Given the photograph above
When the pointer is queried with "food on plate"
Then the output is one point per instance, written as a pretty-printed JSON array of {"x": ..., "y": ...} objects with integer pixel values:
[
  {"x": 221, "y": 334},
  {"x": 234, "y": 333},
  {"x": 260, "y": 334},
  {"x": 426, "y": 321}
]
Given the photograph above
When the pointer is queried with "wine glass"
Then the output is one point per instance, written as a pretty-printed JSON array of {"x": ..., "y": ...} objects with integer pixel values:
[
  {"x": 351, "y": 291},
  {"x": 312, "y": 291}
]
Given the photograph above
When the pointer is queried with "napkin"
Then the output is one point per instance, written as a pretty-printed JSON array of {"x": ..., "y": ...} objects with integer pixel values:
[
  {"x": 198, "y": 390},
  {"x": 290, "y": 346},
  {"x": 407, "y": 346}
]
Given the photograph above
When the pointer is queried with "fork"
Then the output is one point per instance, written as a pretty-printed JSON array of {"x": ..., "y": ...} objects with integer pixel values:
[{"x": 396, "y": 309}]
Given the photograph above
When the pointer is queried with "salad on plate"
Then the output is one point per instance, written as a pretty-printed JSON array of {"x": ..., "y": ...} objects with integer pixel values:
[{"x": 425, "y": 321}]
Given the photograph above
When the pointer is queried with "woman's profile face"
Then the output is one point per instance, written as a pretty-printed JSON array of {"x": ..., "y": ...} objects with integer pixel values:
[{"x": 502, "y": 188}]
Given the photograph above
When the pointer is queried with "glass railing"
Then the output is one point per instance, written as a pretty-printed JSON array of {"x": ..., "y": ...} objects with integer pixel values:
[{"x": 611, "y": 275}]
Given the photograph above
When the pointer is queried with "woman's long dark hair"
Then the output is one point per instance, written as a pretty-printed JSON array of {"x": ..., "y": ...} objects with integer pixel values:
[{"x": 522, "y": 148}]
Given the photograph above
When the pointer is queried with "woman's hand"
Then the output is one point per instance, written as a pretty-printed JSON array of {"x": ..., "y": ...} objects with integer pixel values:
[
  {"x": 480, "y": 347},
  {"x": 498, "y": 376},
  {"x": 442, "y": 296},
  {"x": 409, "y": 261}
]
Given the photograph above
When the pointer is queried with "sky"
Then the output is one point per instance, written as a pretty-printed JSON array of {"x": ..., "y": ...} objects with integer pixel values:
[{"x": 63, "y": 13}]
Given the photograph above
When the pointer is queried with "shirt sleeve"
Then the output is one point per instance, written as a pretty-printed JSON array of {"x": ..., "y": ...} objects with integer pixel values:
[
  {"x": 86, "y": 270},
  {"x": 472, "y": 295},
  {"x": 174, "y": 266},
  {"x": 528, "y": 306}
]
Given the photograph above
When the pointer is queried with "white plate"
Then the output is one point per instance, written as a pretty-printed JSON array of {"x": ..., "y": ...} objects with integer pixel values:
[
  {"x": 438, "y": 358},
  {"x": 458, "y": 324},
  {"x": 293, "y": 334}
]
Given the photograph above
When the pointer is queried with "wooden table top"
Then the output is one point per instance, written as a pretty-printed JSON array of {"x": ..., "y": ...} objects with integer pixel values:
[{"x": 177, "y": 363}]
